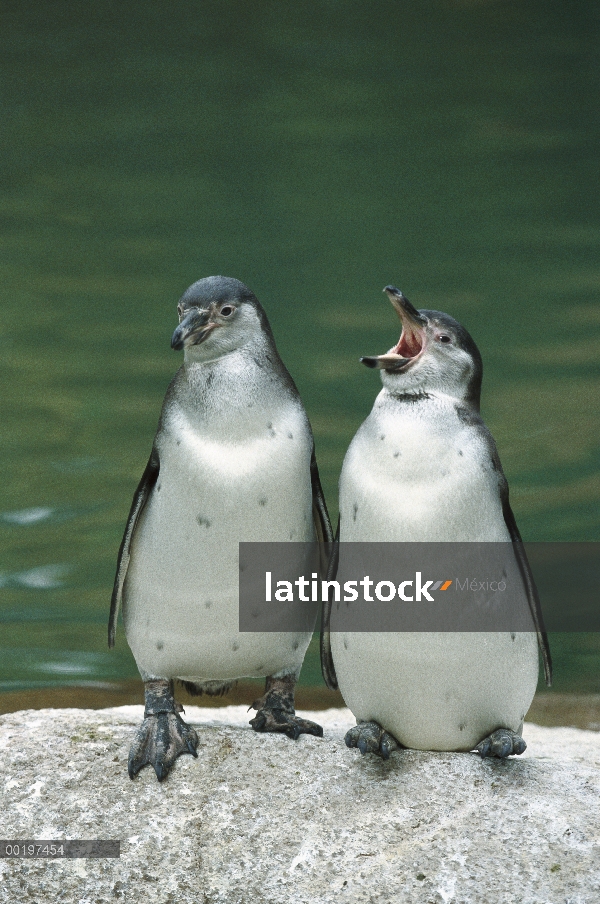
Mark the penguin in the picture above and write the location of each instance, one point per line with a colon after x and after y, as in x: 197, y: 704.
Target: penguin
x: 423, y: 467
x: 233, y: 460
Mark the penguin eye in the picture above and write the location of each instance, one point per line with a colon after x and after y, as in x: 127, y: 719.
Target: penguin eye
x: 445, y: 339
x: 227, y: 310
x: 180, y: 311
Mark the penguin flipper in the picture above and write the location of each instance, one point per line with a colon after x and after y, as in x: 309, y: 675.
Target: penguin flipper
x: 327, y: 665
x: 140, y: 497
x: 329, y: 562
x: 473, y: 419
x: 319, y: 507
x: 530, y: 588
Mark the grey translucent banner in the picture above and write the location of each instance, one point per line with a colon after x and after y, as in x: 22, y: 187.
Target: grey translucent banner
x: 420, y: 586
x: 55, y: 850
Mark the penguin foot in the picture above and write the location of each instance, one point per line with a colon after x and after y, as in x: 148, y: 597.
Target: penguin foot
x: 287, y: 723
x: 276, y: 710
x: 160, y: 739
x: 163, y: 735
x: 370, y: 737
x: 501, y: 743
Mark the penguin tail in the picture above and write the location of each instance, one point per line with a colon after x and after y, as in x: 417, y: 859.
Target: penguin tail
x: 210, y: 688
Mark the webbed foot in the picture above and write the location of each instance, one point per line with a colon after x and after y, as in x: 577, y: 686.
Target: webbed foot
x: 276, y: 710
x: 163, y: 735
x: 370, y: 737
x: 288, y: 723
x: 160, y: 739
x: 501, y: 743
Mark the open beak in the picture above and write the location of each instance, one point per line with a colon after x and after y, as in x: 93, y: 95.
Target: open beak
x: 193, y: 329
x: 412, y: 339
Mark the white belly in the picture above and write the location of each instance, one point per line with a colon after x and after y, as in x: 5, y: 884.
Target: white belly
x: 181, y: 608
x: 402, y: 482
x: 438, y: 691
x: 435, y: 691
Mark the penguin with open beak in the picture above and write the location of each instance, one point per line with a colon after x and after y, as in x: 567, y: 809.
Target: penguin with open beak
x: 233, y: 460
x: 423, y: 467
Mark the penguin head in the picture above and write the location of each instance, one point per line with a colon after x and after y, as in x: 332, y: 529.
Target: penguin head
x: 434, y: 353
x: 217, y: 315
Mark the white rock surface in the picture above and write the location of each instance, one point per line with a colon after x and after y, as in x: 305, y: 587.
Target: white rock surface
x: 260, y: 818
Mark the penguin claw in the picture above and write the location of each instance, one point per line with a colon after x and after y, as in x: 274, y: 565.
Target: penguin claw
x: 258, y: 722
x: 293, y: 732
x: 285, y: 722
x: 387, y: 745
x: 363, y: 745
x: 160, y: 739
x: 370, y: 737
x: 484, y: 748
x: 501, y: 743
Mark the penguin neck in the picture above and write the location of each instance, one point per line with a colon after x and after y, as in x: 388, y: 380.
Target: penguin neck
x: 430, y: 386
x: 228, y: 394
x: 423, y: 403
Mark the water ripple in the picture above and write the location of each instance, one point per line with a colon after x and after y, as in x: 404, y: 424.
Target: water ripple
x: 44, y: 577
x: 28, y: 516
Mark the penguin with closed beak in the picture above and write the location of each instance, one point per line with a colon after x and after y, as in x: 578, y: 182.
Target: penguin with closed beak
x: 233, y: 460
x: 423, y: 467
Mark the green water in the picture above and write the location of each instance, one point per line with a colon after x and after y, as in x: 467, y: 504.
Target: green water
x: 317, y: 151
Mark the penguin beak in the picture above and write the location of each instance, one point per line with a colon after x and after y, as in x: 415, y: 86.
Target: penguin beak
x: 389, y: 362
x: 412, y: 339
x: 193, y: 329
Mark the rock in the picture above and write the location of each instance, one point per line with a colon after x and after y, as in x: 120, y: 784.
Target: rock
x: 260, y: 818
